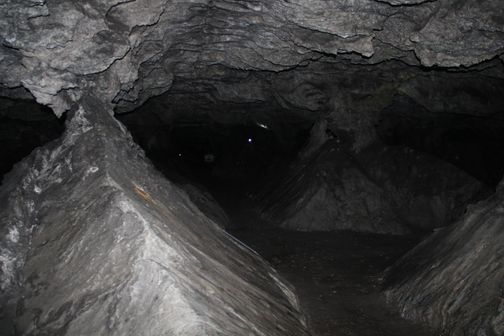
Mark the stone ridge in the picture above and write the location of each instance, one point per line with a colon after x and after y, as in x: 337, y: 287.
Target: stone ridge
x: 382, y: 189
x: 107, y: 246
x: 454, y: 279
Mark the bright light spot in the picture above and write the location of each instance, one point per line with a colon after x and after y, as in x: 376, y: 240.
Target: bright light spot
x: 263, y: 125
x: 249, y: 140
x: 180, y: 154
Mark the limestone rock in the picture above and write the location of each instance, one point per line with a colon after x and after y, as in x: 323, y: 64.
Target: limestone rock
x: 454, y: 280
x: 96, y: 242
x: 206, y: 203
x: 381, y: 189
x: 128, y: 51
x: 351, y: 97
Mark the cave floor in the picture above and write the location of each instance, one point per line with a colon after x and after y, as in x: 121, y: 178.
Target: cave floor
x: 336, y: 275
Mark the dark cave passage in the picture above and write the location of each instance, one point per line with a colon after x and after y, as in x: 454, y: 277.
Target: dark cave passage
x: 290, y: 184
x: 258, y: 179
x: 259, y: 168
x: 206, y: 151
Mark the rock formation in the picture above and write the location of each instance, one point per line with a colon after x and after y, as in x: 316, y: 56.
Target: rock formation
x: 97, y: 242
x: 363, y: 67
x: 381, y: 189
x: 127, y: 51
x: 454, y: 279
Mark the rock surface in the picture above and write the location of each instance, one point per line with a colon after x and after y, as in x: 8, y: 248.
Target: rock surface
x: 204, y: 200
x: 381, y: 189
x: 454, y: 280
x: 96, y: 242
x: 128, y: 51
x: 440, y: 54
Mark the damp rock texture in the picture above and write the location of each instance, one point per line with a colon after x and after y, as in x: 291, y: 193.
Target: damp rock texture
x: 97, y: 242
x: 127, y: 51
x: 454, y: 280
x: 381, y: 189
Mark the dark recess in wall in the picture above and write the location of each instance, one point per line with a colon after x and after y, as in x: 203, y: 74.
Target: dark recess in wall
x: 471, y: 142
x: 205, y: 151
x: 24, y: 126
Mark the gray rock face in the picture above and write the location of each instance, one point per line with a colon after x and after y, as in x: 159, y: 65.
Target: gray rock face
x: 382, y: 189
x: 206, y: 203
x: 454, y: 280
x: 128, y: 51
x: 405, y: 2
x: 96, y: 242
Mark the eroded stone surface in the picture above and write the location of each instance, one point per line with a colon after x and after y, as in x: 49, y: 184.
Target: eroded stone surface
x: 382, y: 189
x: 97, y: 242
x: 127, y: 51
x: 454, y: 279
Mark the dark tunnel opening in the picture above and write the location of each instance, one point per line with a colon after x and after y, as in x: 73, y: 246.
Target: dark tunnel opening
x: 198, y: 141
x: 278, y: 177
x: 228, y: 153
x: 24, y: 126
x: 473, y: 143
x: 247, y: 149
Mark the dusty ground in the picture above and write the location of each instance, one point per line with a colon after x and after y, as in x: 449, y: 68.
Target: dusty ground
x: 336, y: 275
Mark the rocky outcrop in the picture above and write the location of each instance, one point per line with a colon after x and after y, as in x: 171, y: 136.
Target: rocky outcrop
x: 381, y: 189
x: 454, y: 280
x: 97, y: 242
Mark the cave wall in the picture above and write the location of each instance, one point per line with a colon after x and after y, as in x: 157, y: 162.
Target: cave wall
x: 340, y: 61
x: 96, y: 242
x: 283, y: 60
x: 453, y: 280
x: 128, y: 51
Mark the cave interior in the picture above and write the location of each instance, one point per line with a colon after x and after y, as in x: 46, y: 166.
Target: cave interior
x: 276, y: 168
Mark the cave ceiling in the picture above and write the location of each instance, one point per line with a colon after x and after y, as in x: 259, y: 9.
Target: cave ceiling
x: 242, y: 52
